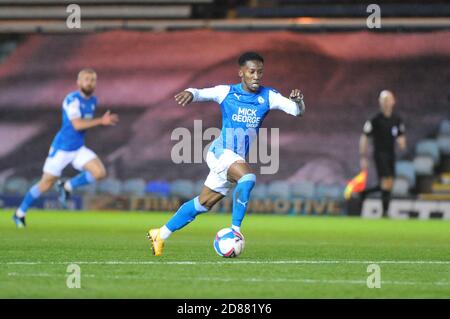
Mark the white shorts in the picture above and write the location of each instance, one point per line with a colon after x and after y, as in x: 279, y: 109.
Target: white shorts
x: 59, y: 159
x: 217, y: 178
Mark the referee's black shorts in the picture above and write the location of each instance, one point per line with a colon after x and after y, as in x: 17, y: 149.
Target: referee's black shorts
x: 385, y: 164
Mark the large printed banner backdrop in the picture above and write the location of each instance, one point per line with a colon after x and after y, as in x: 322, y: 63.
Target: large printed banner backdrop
x: 340, y: 74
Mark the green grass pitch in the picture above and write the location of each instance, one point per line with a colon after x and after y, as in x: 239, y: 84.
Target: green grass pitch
x: 284, y: 257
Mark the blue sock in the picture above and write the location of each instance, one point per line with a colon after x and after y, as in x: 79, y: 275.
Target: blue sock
x: 185, y: 214
x: 30, y: 197
x: 84, y: 178
x: 241, y: 196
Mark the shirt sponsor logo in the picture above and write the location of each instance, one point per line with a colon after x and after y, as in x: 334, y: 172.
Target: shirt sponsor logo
x: 247, y: 116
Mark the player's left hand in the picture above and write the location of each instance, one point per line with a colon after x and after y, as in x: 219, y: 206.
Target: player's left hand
x: 296, y: 95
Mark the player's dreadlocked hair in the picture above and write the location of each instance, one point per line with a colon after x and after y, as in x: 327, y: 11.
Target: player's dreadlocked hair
x: 249, y: 56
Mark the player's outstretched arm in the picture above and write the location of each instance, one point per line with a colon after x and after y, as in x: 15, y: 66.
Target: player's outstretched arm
x: 364, y: 152
x: 214, y: 94
x: 294, y: 105
x: 108, y: 119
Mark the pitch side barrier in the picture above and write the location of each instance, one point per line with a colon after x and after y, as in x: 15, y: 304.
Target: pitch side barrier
x: 294, y: 206
x: 407, y: 208
x: 278, y: 206
x: 43, y: 202
x: 371, y: 208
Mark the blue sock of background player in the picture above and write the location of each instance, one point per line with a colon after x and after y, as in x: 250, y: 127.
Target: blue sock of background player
x: 82, y: 179
x: 32, y: 194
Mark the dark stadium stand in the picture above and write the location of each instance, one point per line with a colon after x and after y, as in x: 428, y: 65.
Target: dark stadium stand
x: 432, y: 161
x: 50, y: 15
x: 343, y: 8
x: 101, y: 9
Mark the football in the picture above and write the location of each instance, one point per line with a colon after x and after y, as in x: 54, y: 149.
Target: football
x: 229, y: 243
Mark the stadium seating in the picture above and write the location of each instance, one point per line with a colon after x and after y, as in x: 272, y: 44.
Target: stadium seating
x: 406, y: 170
x: 134, y: 186
x: 432, y: 165
x: 279, y: 189
x: 423, y: 165
x: 443, y: 142
x: 259, y: 191
x: 90, y: 189
x: 303, y: 189
x: 198, y: 186
x: 424, y: 168
x: 158, y: 188
x: 16, y: 186
x: 429, y: 147
x: 329, y: 191
x: 109, y: 186
x: 401, y: 187
x: 444, y: 127
x: 182, y: 188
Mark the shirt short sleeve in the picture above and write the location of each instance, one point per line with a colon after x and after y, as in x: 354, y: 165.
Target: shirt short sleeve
x: 72, y: 108
x: 368, y: 128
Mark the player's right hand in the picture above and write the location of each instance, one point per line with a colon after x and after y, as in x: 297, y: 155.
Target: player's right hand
x: 184, y: 98
x: 110, y: 118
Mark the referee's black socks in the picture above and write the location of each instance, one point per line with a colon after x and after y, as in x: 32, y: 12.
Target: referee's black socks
x: 385, y: 198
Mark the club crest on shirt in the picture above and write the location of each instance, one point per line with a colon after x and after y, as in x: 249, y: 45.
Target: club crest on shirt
x: 260, y: 99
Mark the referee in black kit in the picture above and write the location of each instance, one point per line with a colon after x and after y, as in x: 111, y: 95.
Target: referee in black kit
x: 384, y: 129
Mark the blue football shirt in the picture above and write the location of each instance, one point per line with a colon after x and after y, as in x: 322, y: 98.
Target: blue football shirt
x: 74, y: 106
x: 243, y: 113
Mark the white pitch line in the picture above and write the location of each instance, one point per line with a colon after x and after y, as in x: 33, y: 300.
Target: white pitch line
x: 250, y: 280
x: 17, y: 274
x: 230, y: 262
